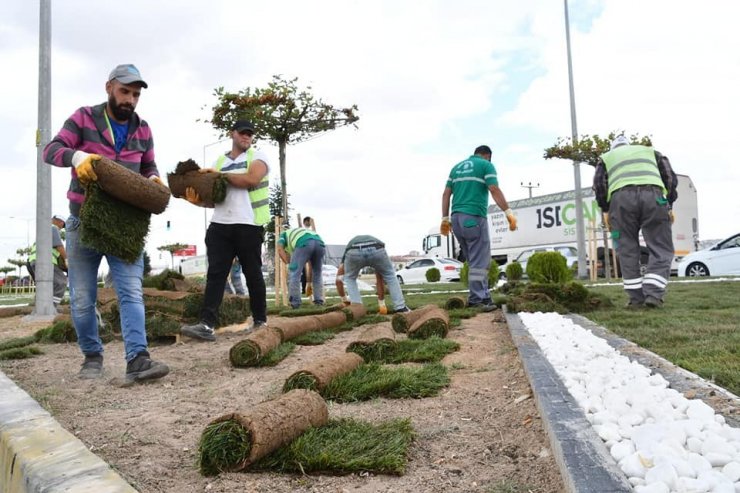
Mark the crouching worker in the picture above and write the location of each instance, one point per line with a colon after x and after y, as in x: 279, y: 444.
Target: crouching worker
x: 296, y: 247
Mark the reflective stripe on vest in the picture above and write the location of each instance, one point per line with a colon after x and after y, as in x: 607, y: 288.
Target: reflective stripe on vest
x: 54, y: 255
x: 259, y: 196
x: 631, y: 165
x: 293, y: 235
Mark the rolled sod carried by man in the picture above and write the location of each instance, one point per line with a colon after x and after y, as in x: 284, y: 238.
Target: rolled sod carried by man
x: 402, y: 321
x: 211, y: 187
x: 131, y: 188
x: 234, y: 441
x: 317, y: 375
x: 455, y: 303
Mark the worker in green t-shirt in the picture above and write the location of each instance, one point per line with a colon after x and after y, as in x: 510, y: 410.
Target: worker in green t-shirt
x: 296, y: 247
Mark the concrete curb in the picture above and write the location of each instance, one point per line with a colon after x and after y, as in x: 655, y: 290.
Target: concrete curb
x: 585, y: 464
x: 38, y: 455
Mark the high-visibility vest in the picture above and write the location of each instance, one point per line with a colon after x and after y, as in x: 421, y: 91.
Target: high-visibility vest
x: 259, y: 196
x: 631, y: 165
x: 55, y: 254
x: 293, y: 235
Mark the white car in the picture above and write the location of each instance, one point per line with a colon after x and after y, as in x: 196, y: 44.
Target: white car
x: 722, y: 259
x: 570, y: 253
x: 328, y: 274
x: 416, y: 271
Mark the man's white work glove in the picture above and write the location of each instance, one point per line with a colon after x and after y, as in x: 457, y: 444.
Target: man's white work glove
x: 345, y: 300
x: 511, y: 218
x: 82, y: 161
x: 382, y: 309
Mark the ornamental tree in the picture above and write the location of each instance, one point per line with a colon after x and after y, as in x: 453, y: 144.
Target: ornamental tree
x: 172, y: 248
x: 283, y: 114
x: 588, y: 148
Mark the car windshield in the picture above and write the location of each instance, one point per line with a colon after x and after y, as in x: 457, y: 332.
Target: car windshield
x: 450, y: 261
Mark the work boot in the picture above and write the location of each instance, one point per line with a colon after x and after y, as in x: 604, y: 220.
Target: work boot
x: 485, y: 306
x: 142, y: 368
x: 92, y: 367
x: 198, y: 331
x: 653, y: 302
x: 634, y: 305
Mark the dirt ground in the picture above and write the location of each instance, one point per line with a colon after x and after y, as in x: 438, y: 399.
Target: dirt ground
x: 480, y: 435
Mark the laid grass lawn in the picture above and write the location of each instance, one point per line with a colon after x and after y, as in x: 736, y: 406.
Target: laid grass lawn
x: 698, y: 327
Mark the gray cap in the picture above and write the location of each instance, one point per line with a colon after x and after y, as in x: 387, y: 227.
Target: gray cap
x: 127, y: 74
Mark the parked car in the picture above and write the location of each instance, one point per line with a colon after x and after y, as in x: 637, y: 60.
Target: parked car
x: 570, y: 253
x: 328, y: 274
x: 416, y: 271
x: 721, y: 259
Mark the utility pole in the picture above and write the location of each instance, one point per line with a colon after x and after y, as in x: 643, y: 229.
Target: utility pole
x: 529, y: 186
x: 44, y: 307
x: 580, y: 232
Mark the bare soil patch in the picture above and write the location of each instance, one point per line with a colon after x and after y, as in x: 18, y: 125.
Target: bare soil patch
x: 479, y: 435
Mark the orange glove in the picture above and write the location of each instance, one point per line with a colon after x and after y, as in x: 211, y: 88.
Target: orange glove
x: 511, y: 218
x: 445, y: 226
x: 605, y: 219
x: 309, y: 290
x: 82, y: 161
x: 382, y: 309
x: 157, y: 180
x: 192, y: 196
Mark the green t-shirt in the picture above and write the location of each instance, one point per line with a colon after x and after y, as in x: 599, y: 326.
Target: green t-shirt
x: 469, y: 181
x: 296, y: 238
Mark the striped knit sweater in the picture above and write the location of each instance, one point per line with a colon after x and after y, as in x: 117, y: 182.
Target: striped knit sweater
x: 87, y: 130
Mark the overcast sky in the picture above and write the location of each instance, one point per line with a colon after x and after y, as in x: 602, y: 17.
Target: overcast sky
x: 432, y: 80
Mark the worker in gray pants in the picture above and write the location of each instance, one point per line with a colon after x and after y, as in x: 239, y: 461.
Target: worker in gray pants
x: 635, y: 188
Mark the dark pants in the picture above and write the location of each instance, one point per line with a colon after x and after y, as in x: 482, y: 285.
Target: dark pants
x: 223, y: 243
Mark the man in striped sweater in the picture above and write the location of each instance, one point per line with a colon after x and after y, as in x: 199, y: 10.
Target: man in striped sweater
x: 112, y: 130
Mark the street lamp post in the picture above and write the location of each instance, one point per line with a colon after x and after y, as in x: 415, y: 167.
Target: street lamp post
x: 28, y: 227
x: 580, y: 233
x: 529, y: 186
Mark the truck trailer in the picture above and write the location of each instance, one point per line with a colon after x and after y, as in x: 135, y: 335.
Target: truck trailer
x: 550, y: 220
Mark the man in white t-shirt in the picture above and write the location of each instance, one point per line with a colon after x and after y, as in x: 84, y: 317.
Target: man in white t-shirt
x: 236, y: 230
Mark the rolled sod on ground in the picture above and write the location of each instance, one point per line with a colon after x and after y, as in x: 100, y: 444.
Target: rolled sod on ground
x: 374, y: 342
x: 317, y: 375
x: 130, y: 187
x: 416, y: 351
x: 314, y: 338
x: 402, y: 321
x: 433, y: 322
x: 249, y: 351
x: 345, y: 446
x: 354, y: 311
x: 234, y: 441
x: 455, y: 303
x: 211, y: 187
x: 112, y: 226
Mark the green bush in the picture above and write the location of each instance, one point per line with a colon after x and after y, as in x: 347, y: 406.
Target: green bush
x: 514, y: 271
x: 433, y: 275
x: 493, y: 273
x: 548, y: 267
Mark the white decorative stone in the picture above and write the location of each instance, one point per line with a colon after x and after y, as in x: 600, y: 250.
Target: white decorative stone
x: 632, y: 466
x: 699, y: 410
x: 622, y: 449
x: 662, y: 473
x: 732, y: 471
x: 653, y: 488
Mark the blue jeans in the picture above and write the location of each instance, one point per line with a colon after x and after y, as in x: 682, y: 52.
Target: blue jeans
x: 83, y: 263
x: 472, y: 233
x: 312, y: 252
x: 356, y: 259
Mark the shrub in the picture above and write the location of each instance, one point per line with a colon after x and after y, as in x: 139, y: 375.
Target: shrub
x: 514, y: 271
x: 548, y: 267
x: 493, y: 273
x: 433, y: 275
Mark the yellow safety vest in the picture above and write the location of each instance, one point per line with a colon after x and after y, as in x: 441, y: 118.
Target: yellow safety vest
x: 259, y: 196
x: 631, y: 165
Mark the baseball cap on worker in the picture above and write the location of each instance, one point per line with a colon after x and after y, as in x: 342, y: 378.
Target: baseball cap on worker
x: 59, y: 217
x: 620, y: 140
x: 242, y: 125
x: 127, y: 73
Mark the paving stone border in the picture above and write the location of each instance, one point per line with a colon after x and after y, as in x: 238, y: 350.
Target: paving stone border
x: 38, y: 455
x: 585, y: 464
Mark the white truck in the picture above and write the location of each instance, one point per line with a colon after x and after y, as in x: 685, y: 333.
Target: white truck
x: 550, y: 220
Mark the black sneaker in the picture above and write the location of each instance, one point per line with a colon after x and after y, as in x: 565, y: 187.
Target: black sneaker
x: 92, y: 367
x: 198, y: 331
x: 319, y: 303
x: 142, y: 368
x: 253, y: 326
x: 486, y: 306
x: 405, y: 309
